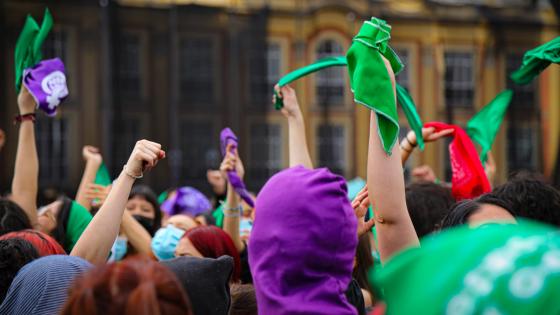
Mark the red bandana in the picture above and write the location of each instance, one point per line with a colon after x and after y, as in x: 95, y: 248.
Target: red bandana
x: 469, y: 179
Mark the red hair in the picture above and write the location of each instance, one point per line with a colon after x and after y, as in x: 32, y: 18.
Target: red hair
x: 213, y: 242
x: 43, y: 243
x: 135, y: 286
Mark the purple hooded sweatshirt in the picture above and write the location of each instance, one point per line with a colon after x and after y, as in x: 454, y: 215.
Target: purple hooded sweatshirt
x: 303, y: 243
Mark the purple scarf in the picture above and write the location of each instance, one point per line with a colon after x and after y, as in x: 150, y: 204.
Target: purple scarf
x: 227, y: 137
x: 188, y: 201
x: 302, y: 245
x: 46, y: 82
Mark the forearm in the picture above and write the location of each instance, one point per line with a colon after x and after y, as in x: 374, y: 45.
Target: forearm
x: 231, y: 220
x: 137, y: 236
x: 386, y: 191
x: 26, y: 172
x: 298, y: 150
x: 88, y: 177
x: 95, y: 243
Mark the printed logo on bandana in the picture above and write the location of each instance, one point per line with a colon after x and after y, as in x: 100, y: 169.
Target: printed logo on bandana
x: 54, y: 85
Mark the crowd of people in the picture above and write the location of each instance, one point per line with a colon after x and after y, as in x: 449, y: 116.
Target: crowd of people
x: 301, y: 245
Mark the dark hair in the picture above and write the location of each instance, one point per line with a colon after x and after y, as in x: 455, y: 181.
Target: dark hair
x: 532, y: 198
x: 427, y: 204
x: 12, y: 217
x: 59, y: 232
x: 462, y: 210
x: 207, y: 215
x: 133, y: 286
x: 243, y: 300
x: 148, y: 194
x: 14, y: 254
x: 364, y: 262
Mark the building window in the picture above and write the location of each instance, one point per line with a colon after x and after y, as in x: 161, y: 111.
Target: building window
x: 129, y: 132
x: 52, y: 144
x: 330, y: 83
x: 459, y: 79
x: 265, y: 153
x: 522, y: 148
x: 198, y: 153
x: 524, y: 95
x: 403, y: 78
x: 265, y: 73
x: 55, y: 45
x: 330, y: 147
x: 129, y: 66
x: 196, y: 73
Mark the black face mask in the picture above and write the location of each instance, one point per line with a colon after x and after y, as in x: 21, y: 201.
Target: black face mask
x: 146, y: 223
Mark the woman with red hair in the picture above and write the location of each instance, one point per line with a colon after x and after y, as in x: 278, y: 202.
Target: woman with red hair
x: 134, y: 286
x: 209, y: 242
x: 43, y: 243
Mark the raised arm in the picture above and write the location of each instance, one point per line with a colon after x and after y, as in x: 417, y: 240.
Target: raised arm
x: 409, y: 143
x: 93, y: 162
x: 232, y: 207
x: 385, y: 183
x: 26, y: 171
x: 298, y: 150
x: 98, y: 238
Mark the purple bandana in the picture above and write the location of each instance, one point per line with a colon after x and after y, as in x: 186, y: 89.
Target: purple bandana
x: 47, y: 83
x: 302, y: 245
x: 187, y: 200
x: 227, y: 137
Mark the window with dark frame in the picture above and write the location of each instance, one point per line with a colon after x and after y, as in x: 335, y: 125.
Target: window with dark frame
x: 330, y: 147
x: 55, y: 45
x: 197, y: 71
x: 265, y: 153
x: 198, y: 151
x: 52, y: 148
x: 459, y: 79
x: 264, y: 73
x: 403, y: 78
x: 129, y: 66
x: 330, y: 83
x: 524, y: 95
x: 129, y: 132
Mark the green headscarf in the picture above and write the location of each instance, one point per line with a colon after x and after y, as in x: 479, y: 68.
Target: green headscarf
x: 102, y: 176
x: 370, y: 80
x: 493, y: 269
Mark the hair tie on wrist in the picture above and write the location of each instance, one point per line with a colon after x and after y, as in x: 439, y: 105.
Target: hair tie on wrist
x: 127, y: 172
x: 24, y: 117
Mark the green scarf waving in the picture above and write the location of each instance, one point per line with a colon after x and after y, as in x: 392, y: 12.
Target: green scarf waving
x: 369, y: 79
x: 28, y: 45
x: 536, y: 60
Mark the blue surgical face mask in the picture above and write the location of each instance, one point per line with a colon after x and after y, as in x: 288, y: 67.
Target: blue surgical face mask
x: 165, y: 241
x: 119, y: 249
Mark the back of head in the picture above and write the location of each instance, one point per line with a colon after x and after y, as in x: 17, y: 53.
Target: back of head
x: 134, y: 286
x: 14, y: 254
x: 12, y: 217
x: 303, y: 242
x: 213, y: 242
x: 206, y: 281
x: 43, y: 243
x: 461, y: 211
x: 532, y: 198
x: 427, y: 204
x: 243, y: 300
x: 41, y: 286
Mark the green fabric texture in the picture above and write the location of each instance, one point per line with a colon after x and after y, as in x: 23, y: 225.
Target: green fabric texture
x: 370, y: 80
x: 328, y: 62
x: 484, y: 126
x: 28, y: 45
x: 162, y: 197
x: 493, y: 269
x: 409, y: 109
x: 218, y: 214
x: 102, y: 177
x: 536, y: 60
x: 78, y: 220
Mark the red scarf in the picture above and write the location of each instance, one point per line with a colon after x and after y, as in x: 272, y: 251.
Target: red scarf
x: 469, y: 179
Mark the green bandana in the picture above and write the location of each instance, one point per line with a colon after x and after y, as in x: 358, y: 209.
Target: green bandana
x: 536, y: 60
x: 369, y: 79
x: 301, y: 72
x: 484, y: 126
x: 493, y: 269
x: 28, y: 45
x: 162, y: 197
x: 102, y: 177
x: 218, y: 214
x: 411, y: 114
x: 78, y: 220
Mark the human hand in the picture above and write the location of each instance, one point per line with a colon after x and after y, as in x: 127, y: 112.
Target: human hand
x: 26, y: 103
x: 424, y: 173
x: 232, y: 162
x: 361, y: 204
x: 97, y: 194
x: 490, y: 168
x: 91, y: 153
x: 2, y: 139
x: 144, y: 157
x: 291, y: 109
x: 217, y: 181
x: 429, y: 135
